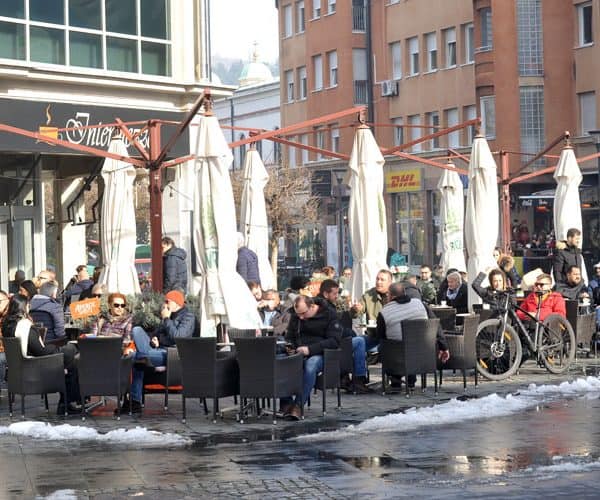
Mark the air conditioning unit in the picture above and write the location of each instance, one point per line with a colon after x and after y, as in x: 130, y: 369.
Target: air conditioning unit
x: 389, y: 88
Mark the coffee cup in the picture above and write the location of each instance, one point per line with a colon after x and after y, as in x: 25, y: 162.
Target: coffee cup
x: 372, y: 324
x: 443, y: 303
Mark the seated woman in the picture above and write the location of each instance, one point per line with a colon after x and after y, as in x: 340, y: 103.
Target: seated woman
x: 117, y: 321
x: 497, y: 280
x: 27, y: 289
x: 17, y: 323
x: 552, y: 302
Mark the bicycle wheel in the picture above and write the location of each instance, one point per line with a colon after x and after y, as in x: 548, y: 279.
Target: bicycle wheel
x: 498, y: 351
x: 557, y: 344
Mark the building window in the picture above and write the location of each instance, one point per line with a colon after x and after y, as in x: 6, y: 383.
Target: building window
x: 431, y: 42
x: 398, y: 131
x: 287, y: 21
x: 413, y: 50
x: 115, y: 35
x: 331, y: 6
x: 300, y: 17
x: 358, y: 15
x: 359, y: 75
x: 415, y: 131
x: 333, y: 68
x: 487, y: 105
x: 469, y: 43
x: 485, y: 18
x: 470, y: 113
x: 587, y: 112
x: 335, y: 139
x: 433, y: 119
x: 584, y: 18
x: 450, y: 46
x: 316, y: 9
x: 292, y: 155
x: 303, y: 85
x: 452, y: 121
x: 304, y: 141
x: 289, y: 85
x: 320, y: 142
x: 529, y: 36
x: 396, y: 51
x: 531, y: 106
x: 318, y: 71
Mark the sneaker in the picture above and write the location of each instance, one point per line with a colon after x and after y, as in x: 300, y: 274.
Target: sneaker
x: 73, y: 408
x: 133, y: 405
x: 372, y: 358
x: 360, y: 387
x: 346, y: 383
x: 143, y: 363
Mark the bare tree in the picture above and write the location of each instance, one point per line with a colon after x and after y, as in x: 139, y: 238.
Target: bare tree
x: 288, y: 200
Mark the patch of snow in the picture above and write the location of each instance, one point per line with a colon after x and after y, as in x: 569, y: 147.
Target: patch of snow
x: 59, y: 495
x: 137, y: 437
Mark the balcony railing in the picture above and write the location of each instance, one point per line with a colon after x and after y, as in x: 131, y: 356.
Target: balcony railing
x: 360, y: 92
x: 358, y: 15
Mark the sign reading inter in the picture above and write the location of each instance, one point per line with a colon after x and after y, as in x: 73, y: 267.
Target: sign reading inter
x: 402, y: 181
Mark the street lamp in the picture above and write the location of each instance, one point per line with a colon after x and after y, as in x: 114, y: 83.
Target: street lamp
x: 595, y: 134
x: 339, y: 193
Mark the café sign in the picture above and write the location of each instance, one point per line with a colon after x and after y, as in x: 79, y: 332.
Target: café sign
x: 402, y: 181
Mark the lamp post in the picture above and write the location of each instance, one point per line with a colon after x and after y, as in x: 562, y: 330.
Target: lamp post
x: 339, y: 188
x: 595, y: 134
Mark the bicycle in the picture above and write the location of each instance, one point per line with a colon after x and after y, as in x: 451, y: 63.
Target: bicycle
x: 499, y: 343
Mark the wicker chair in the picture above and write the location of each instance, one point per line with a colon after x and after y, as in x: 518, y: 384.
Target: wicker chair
x: 415, y: 354
x: 461, y: 345
x: 263, y: 375
x: 206, y: 373
x: 103, y: 371
x: 329, y: 378
x: 39, y: 375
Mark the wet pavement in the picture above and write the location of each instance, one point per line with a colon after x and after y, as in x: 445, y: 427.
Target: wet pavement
x: 550, y: 448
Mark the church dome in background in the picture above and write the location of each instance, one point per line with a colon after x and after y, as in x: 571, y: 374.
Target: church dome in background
x: 255, y: 72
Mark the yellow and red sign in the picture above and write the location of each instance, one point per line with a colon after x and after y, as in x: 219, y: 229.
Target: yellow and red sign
x: 85, y: 308
x: 402, y: 181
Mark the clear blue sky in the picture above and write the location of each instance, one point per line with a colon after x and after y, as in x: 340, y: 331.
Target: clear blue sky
x: 236, y: 24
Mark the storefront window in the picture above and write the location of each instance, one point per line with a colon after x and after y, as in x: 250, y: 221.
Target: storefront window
x: 47, y: 45
x: 12, y: 41
x: 120, y: 16
x: 409, y: 209
x: 85, y: 50
x: 12, y: 8
x: 47, y: 11
x: 85, y: 14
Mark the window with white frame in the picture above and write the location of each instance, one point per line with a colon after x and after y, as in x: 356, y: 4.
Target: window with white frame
x: 487, y: 105
x: 413, y: 50
x: 320, y: 142
x: 531, y: 107
x: 287, y: 21
x: 292, y: 156
x: 331, y: 6
x: 587, y: 112
x: 415, y: 131
x: 452, y: 121
x: 300, y: 17
x: 398, y: 131
x: 431, y: 43
x: 433, y: 119
x: 335, y: 139
x: 485, y: 19
x: 114, y: 35
x: 318, y: 71
x: 302, y: 83
x: 450, y: 46
x: 316, y: 9
x: 396, y: 52
x: 530, y: 38
x: 359, y: 75
x: 469, y: 43
x: 584, y: 21
x: 289, y: 85
x: 470, y: 113
x: 304, y: 141
x: 333, y: 68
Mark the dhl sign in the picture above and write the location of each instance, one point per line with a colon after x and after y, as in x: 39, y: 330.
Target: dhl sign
x: 401, y: 181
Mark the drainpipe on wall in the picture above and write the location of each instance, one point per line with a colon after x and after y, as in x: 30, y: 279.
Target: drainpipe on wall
x: 369, y: 49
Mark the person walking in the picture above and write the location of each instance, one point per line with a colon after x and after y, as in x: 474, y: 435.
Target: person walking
x: 174, y: 267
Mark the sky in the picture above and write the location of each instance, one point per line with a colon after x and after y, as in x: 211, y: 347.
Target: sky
x: 236, y: 24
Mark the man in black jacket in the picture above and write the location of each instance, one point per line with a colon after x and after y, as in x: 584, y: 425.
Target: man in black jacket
x: 567, y: 254
x: 313, y: 327
x: 174, y: 267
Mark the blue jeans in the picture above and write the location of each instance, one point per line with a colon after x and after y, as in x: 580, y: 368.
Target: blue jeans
x: 313, y: 365
x: 156, y: 356
x: 359, y: 355
x: 372, y: 343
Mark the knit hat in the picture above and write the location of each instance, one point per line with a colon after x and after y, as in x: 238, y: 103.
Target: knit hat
x: 176, y: 296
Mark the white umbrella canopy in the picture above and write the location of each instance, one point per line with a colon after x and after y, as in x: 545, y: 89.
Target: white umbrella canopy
x: 452, y: 209
x: 117, y: 224
x: 567, y: 205
x: 253, y: 215
x: 366, y: 212
x: 481, y: 219
x: 224, y: 295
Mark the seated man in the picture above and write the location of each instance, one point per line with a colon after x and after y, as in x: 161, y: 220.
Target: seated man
x: 177, y: 322
x: 272, y: 314
x: 456, y: 294
x: 45, y: 309
x: 330, y: 292
x: 77, y: 285
x: 552, y: 302
x: 313, y: 327
x: 574, y: 286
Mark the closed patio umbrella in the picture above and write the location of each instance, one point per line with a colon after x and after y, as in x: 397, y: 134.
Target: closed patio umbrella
x: 366, y: 212
x: 117, y: 224
x: 224, y: 295
x: 253, y: 215
x: 452, y: 208
x: 481, y: 218
x: 567, y: 205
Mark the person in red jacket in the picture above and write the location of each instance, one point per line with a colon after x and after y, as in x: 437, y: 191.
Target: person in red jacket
x: 552, y: 302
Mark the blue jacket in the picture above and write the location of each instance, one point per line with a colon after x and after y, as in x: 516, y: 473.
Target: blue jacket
x: 174, y: 270
x: 247, y: 265
x: 181, y: 324
x: 49, y: 312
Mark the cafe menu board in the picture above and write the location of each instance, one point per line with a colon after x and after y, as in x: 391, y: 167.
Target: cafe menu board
x: 85, y: 308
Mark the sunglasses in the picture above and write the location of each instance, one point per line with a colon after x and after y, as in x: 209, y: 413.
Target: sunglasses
x: 542, y: 284
x: 97, y: 295
x: 119, y: 305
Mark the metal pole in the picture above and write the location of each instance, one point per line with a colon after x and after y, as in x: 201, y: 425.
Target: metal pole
x: 155, y: 207
x: 340, y: 221
x: 369, y: 51
x: 505, y: 201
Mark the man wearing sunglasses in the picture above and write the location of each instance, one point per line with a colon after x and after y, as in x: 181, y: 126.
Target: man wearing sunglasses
x: 552, y: 302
